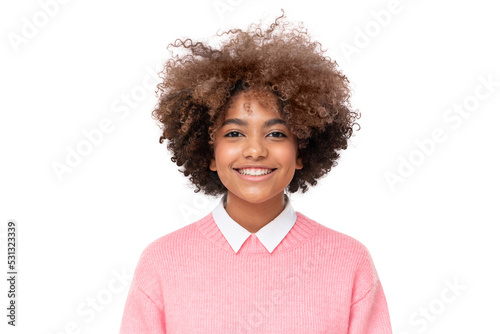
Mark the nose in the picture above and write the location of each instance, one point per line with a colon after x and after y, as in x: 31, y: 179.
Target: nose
x: 254, y: 148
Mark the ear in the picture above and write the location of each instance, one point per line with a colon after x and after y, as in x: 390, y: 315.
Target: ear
x: 213, y: 166
x: 298, y: 163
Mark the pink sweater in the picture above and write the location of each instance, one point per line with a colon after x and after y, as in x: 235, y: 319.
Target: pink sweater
x: 315, y: 281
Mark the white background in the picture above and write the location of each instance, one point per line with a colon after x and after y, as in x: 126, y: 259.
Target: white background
x: 79, y: 231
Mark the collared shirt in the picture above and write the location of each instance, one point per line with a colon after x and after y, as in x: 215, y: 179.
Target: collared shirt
x: 269, y: 235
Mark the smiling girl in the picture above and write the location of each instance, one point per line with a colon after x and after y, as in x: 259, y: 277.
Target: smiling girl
x: 255, y: 157
x: 261, y: 117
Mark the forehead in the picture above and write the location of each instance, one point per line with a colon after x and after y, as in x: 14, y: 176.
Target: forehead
x: 246, y: 104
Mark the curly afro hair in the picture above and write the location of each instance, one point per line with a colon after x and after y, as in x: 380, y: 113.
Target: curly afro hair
x: 282, y: 62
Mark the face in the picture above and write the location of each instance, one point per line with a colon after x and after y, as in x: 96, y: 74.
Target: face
x: 254, y: 142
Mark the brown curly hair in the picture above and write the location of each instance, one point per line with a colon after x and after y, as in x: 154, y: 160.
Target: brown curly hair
x: 312, y: 94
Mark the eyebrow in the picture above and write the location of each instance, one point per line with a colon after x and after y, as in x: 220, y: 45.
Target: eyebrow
x: 242, y: 122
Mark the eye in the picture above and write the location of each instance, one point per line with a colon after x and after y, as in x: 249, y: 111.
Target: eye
x: 280, y: 134
x: 232, y: 132
x: 275, y: 134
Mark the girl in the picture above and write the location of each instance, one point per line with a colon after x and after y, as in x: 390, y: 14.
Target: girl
x: 264, y: 114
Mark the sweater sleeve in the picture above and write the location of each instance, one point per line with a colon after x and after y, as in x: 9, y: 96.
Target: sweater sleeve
x: 369, y: 312
x: 143, y: 311
x: 141, y: 315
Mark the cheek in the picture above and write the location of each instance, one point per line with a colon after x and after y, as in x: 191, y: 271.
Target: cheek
x: 286, y: 155
x: 227, y: 153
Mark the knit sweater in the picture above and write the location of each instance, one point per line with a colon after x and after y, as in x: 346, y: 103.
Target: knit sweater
x: 317, y: 280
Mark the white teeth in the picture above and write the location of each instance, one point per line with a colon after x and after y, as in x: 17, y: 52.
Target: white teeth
x: 254, y: 171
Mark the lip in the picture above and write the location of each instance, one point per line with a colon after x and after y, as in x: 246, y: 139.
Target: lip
x: 255, y: 178
x: 254, y: 166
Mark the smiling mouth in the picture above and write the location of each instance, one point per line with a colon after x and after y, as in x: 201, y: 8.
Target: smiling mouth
x: 255, y: 171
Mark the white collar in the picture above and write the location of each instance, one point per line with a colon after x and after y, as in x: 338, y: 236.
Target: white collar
x: 270, y: 235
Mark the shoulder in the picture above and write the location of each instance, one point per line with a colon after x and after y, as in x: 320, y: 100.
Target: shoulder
x: 162, y: 249
x: 347, y: 256
x: 333, y: 239
x: 177, y: 240
x: 341, y: 250
x: 160, y: 255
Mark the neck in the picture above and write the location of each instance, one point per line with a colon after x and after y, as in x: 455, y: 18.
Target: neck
x: 254, y: 216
